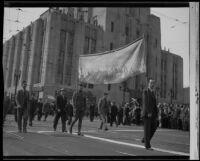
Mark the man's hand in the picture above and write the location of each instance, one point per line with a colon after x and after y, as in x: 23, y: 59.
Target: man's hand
x: 58, y: 110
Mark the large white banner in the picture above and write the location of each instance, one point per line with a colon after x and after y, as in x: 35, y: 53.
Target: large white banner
x: 113, y: 66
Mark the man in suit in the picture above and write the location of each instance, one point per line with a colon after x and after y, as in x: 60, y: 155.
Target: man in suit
x: 61, y: 101
x: 39, y: 109
x: 103, y: 109
x: 149, y: 114
x: 69, y: 109
x: 22, y: 101
x: 32, y: 109
x: 92, y: 108
x: 79, y: 104
x: 113, y: 114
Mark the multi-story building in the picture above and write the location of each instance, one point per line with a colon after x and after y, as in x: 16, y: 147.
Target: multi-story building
x: 46, y: 52
x: 171, y: 89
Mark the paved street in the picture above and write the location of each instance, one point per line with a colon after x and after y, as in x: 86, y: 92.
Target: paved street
x: 41, y: 140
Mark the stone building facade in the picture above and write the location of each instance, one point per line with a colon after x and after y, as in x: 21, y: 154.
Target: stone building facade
x: 46, y: 52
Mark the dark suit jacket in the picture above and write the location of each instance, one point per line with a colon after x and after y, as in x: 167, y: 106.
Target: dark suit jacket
x: 149, y: 104
x: 22, y: 98
x: 61, y: 102
x: 103, y: 107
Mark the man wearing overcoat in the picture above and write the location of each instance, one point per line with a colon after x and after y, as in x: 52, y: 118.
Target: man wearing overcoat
x: 22, y: 101
x: 149, y: 114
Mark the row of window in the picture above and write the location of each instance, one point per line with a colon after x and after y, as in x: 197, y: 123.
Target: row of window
x: 85, y: 85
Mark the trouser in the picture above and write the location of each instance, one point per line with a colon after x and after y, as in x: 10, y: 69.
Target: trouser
x: 22, y: 113
x: 15, y: 114
x: 69, y: 120
x: 61, y: 114
x: 91, y: 117
x: 31, y: 115
x: 78, y: 116
x: 150, y: 126
x: 103, y: 121
x: 119, y: 119
x: 113, y: 119
x: 39, y: 115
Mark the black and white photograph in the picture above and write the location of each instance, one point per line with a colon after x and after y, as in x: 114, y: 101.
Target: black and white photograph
x: 97, y: 81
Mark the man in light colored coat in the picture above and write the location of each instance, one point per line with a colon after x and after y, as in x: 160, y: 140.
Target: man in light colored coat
x: 103, y: 109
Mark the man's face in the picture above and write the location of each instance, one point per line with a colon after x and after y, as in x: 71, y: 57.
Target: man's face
x: 151, y: 84
x: 62, y: 92
x: 24, y: 85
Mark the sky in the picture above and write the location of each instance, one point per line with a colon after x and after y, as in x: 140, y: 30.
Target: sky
x: 174, y: 29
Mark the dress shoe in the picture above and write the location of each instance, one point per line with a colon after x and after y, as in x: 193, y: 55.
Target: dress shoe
x: 106, y: 129
x: 80, y: 134
x: 64, y: 131
x: 24, y: 131
x: 142, y: 140
x: 70, y: 130
x: 149, y: 148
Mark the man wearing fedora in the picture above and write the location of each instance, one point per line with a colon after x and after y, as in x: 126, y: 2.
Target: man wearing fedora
x: 22, y: 101
x: 60, y: 111
x: 103, y: 109
x: 79, y: 104
x: 149, y: 114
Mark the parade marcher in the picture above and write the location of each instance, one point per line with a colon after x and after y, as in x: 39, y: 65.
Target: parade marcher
x: 69, y: 112
x: 6, y: 105
x: 113, y: 114
x: 46, y: 109
x: 137, y: 115
x: 79, y: 104
x: 149, y: 114
x: 32, y: 109
x: 92, y: 108
x: 22, y: 101
x: 126, y: 118
x: 39, y: 109
x: 61, y: 101
x: 120, y: 115
x: 103, y: 109
x: 14, y: 106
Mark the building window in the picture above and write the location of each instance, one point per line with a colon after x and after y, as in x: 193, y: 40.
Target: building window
x: 69, y: 54
x: 126, y: 30
x: 112, y: 26
x: 111, y: 46
x: 156, y: 43
x: 93, y: 46
x: 138, y: 33
x: 86, y: 45
x: 90, y: 86
x: 61, y: 57
x: 109, y: 87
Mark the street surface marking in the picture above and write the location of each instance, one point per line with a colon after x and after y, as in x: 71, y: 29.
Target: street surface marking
x: 125, y: 153
x: 139, y: 130
x: 18, y: 136
x: 136, y: 145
